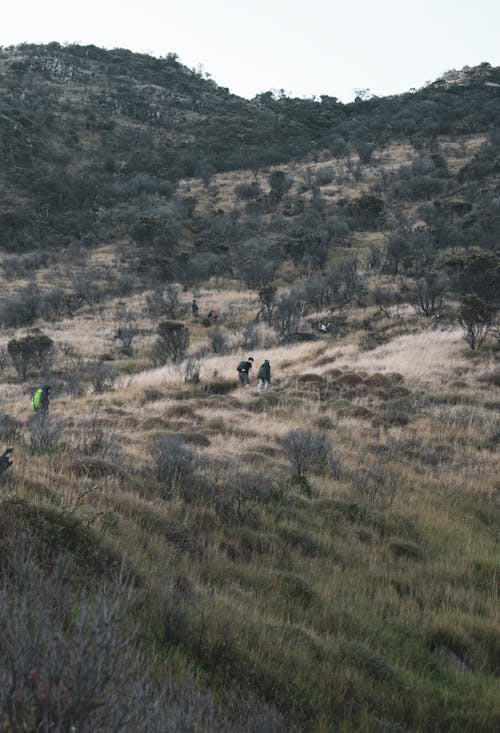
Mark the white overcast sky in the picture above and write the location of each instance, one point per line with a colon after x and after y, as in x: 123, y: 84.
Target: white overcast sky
x: 305, y: 47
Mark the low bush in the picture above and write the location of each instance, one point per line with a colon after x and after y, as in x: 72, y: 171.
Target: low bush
x: 175, y: 464
x: 405, y: 548
x: 307, y: 450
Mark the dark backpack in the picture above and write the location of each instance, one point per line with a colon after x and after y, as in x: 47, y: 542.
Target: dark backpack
x: 242, y: 367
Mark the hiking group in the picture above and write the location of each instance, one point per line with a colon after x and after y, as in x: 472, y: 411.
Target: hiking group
x: 263, y: 374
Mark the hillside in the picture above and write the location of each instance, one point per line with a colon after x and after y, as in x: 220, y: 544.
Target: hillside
x: 86, y: 134
x: 181, y: 553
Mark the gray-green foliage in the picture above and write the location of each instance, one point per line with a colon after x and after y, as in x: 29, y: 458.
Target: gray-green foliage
x: 31, y: 351
x: 171, y: 344
x: 308, y: 450
x: 175, y: 463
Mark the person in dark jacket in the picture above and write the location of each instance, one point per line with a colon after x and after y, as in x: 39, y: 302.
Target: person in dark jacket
x: 264, y: 375
x: 243, y: 369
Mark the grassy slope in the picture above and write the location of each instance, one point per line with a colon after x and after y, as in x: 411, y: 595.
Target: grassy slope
x: 330, y: 609
x: 316, y: 601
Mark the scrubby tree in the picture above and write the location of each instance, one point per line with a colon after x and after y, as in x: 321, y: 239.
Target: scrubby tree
x: 126, y: 330
x: 33, y: 350
x: 280, y: 183
x: 46, y: 433
x: 367, y: 212
x: 242, y: 495
x: 100, y: 373
x: 86, y: 286
x: 348, y: 282
x: 172, y: 342
x: 21, y: 308
x: 373, y: 488
x: 267, y: 296
x: 476, y: 318
x: 426, y: 294
x: 166, y: 302
x: 287, y: 315
x: 255, y: 260
x: 364, y: 150
x: 308, y: 450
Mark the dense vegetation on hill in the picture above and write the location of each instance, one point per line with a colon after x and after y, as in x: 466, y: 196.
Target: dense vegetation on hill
x: 181, y: 554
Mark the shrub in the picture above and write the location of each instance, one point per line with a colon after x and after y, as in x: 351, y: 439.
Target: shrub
x: 101, y: 375
x: 476, y: 317
x: 324, y: 176
x: 373, y: 489
x: 171, y: 344
x: 126, y: 331
x: 74, y: 376
x: 21, y: 308
x: 33, y: 350
x: 307, y: 450
x: 219, y: 340
x: 45, y: 432
x: 240, y: 497
x: 405, y: 548
x: 192, y: 372
x: 248, y: 191
x: 93, y: 439
x: 175, y: 464
x: 9, y: 428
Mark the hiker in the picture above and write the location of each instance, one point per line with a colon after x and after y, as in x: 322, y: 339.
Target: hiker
x: 213, y: 315
x: 194, y: 308
x: 264, y: 375
x: 41, y: 399
x: 243, y: 370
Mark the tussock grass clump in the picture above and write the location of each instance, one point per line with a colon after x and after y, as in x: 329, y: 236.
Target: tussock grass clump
x: 405, y: 548
x: 182, y: 411
x: 95, y: 468
x: 54, y: 533
x: 350, y: 379
x: 366, y: 661
x: 296, y: 588
x: 197, y: 438
x: 302, y: 541
x: 218, y: 386
x: 246, y: 543
x: 492, y: 379
x: 486, y: 573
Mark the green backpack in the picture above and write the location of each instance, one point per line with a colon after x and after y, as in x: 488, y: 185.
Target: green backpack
x: 36, y: 402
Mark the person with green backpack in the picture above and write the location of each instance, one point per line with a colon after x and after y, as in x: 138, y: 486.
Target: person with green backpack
x: 41, y: 399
